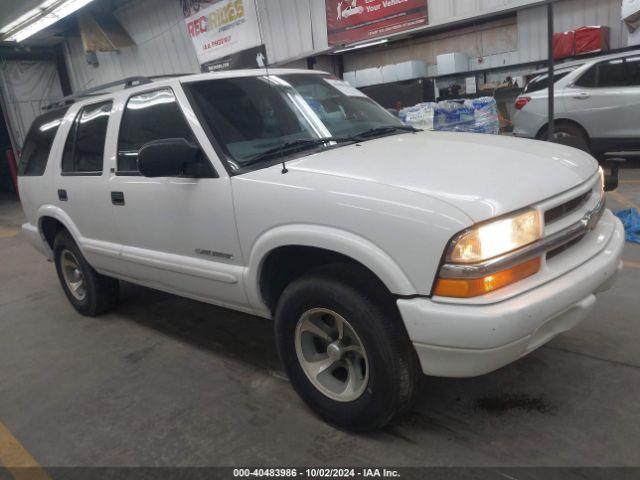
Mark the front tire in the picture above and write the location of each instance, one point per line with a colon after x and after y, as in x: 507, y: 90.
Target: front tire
x: 90, y: 293
x: 345, y: 349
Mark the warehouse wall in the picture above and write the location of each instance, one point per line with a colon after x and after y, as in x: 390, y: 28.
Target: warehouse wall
x: 295, y: 29
x: 498, y: 38
x: 448, y: 11
x: 27, y: 86
x: 162, y: 46
x: 569, y: 14
x: 511, y: 41
x: 291, y: 29
x: 286, y: 28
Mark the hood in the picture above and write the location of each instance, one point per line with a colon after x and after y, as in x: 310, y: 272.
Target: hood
x: 482, y: 175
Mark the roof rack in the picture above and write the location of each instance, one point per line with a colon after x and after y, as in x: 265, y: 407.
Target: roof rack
x: 128, y: 82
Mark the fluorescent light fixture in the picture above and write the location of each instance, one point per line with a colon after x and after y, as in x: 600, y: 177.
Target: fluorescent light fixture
x: 363, y: 45
x: 46, y: 14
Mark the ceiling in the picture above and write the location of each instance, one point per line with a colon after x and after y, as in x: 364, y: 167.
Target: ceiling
x: 12, y: 9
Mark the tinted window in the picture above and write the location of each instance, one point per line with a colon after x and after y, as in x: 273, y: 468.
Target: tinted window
x: 542, y: 81
x: 588, y: 79
x: 612, y: 74
x: 147, y: 117
x: 84, y: 148
x: 37, y: 145
x: 633, y: 71
x: 619, y: 73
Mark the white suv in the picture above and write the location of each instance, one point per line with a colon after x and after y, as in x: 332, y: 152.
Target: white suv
x: 380, y: 251
x: 597, y: 102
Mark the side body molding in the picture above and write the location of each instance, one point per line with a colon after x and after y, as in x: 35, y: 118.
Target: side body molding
x: 318, y: 236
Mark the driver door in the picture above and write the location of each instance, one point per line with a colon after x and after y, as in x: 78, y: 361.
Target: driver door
x: 178, y: 234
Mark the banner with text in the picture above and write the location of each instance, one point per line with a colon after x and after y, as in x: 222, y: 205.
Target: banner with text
x: 219, y: 28
x: 350, y: 21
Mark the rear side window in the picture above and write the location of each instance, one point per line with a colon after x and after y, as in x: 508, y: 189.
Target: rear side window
x: 84, y: 148
x: 621, y: 72
x: 542, y: 81
x: 37, y: 145
x: 633, y: 71
x: 147, y: 117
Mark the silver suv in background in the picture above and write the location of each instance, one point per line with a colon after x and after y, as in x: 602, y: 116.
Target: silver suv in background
x: 597, y: 101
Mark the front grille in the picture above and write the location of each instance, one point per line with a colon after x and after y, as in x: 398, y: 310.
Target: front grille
x: 556, y: 213
x: 563, y: 248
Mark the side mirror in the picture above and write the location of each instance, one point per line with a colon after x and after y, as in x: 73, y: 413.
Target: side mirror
x: 169, y: 157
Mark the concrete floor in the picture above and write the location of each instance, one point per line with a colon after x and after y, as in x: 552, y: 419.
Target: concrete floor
x: 168, y: 381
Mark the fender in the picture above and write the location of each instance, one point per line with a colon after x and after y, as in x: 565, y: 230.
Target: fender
x: 318, y: 236
x: 60, y: 215
x: 95, y: 251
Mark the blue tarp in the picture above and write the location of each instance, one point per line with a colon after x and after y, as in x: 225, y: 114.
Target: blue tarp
x: 631, y: 221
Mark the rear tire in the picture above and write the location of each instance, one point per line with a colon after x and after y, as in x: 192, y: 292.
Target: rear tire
x: 89, y: 292
x: 374, y: 348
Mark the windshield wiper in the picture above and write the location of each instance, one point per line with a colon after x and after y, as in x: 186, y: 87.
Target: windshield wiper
x: 374, y: 132
x: 296, y: 145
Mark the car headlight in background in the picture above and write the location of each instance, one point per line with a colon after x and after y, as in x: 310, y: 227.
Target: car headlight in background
x: 485, y: 242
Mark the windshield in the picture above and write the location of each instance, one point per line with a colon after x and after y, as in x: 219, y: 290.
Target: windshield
x: 251, y: 116
x: 542, y: 81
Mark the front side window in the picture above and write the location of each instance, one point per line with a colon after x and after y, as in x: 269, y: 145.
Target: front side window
x: 37, y: 145
x: 250, y: 116
x: 84, y: 148
x: 147, y: 117
x: 588, y: 78
x: 612, y: 74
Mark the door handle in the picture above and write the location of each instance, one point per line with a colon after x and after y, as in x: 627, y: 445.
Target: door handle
x: 62, y: 195
x: 117, y: 198
x: 582, y: 96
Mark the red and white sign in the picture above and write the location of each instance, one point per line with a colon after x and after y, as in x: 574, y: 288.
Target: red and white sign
x: 220, y: 28
x: 350, y: 21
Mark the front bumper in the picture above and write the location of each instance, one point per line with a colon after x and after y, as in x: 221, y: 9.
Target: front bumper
x: 458, y: 340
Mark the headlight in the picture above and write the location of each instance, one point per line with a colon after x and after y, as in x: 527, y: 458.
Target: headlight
x: 496, y: 238
x: 484, y: 242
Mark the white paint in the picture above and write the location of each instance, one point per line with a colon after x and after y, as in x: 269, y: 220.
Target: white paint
x: 393, y: 204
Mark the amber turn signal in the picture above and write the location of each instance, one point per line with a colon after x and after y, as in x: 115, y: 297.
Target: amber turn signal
x: 474, y: 287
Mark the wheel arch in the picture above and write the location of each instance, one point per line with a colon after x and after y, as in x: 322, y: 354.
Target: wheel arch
x: 315, y: 245
x: 566, y: 121
x: 51, y: 220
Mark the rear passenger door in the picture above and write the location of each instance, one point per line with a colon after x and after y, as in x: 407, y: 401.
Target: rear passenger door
x: 81, y: 183
x: 178, y: 233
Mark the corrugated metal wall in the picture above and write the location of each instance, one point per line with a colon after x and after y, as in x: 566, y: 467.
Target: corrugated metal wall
x: 162, y: 46
x: 569, y: 14
x: 294, y: 29
x: 286, y: 29
x: 291, y: 29
x: 447, y: 11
